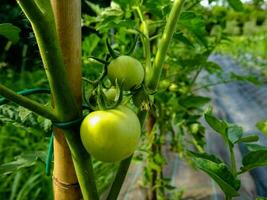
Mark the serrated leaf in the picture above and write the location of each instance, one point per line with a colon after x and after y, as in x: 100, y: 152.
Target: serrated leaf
x: 262, y: 126
x: 236, y: 5
x: 23, y: 113
x: 10, y: 31
x: 234, y: 133
x: 219, y: 126
x: 254, y: 159
x: 194, y: 101
x: 219, y: 172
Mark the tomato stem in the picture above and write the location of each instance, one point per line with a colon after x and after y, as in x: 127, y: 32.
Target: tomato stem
x: 27, y: 103
x: 233, y: 160
x: 123, y: 168
x: 145, y: 40
x: 62, y: 38
x: 153, y: 76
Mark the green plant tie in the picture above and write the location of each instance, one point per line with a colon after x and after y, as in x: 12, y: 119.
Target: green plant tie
x: 27, y: 92
x: 49, y: 157
x: 50, y: 152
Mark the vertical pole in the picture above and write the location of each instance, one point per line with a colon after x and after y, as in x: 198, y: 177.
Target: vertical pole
x: 68, y: 23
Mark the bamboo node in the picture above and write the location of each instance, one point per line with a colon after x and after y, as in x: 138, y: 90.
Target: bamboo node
x: 64, y: 185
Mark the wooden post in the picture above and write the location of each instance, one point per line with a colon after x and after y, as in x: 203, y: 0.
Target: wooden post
x: 68, y: 22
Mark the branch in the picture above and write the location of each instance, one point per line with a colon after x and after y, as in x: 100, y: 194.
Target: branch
x: 154, y: 75
x: 27, y: 103
x: 31, y: 10
x: 41, y: 17
x: 123, y: 168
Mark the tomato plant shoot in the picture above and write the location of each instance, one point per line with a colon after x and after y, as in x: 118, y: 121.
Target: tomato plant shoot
x: 127, y: 70
x: 111, y: 135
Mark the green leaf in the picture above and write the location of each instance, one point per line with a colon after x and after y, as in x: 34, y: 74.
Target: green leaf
x: 194, y: 101
x: 249, y: 78
x: 10, y: 31
x: 254, y: 159
x: 22, y: 161
x: 255, y: 147
x: 206, y: 156
x: 236, y: 5
x: 218, y: 171
x: 212, y: 67
x: 181, y: 37
x: 124, y: 4
x: 218, y: 125
x: 234, y: 133
x: 196, y: 25
x: 262, y: 126
x: 250, y: 138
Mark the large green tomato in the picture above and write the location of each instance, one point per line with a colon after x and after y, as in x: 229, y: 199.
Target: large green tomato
x: 111, y: 135
x: 128, y: 71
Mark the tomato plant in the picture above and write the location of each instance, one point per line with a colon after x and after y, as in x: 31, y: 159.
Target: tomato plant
x: 111, y: 135
x: 127, y: 70
x: 168, y: 64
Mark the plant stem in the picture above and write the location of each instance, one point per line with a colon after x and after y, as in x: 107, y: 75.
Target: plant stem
x: 119, y: 179
x: 145, y: 40
x: 228, y: 198
x: 153, y: 76
x: 50, y: 51
x: 27, y: 103
x: 67, y: 18
x: 233, y: 161
x: 83, y: 166
x: 64, y: 78
x: 123, y: 168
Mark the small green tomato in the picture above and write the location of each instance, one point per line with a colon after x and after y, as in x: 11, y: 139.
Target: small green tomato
x: 127, y: 70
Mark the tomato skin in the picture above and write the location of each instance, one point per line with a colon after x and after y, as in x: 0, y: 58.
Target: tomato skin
x: 111, y: 94
x: 127, y: 70
x: 111, y: 135
x: 164, y: 84
x: 173, y: 87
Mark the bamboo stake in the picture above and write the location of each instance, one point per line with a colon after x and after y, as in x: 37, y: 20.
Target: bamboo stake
x: 67, y: 16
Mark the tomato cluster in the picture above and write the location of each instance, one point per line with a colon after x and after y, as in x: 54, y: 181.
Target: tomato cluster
x: 112, y: 135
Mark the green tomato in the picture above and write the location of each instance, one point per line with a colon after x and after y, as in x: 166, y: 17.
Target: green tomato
x: 111, y: 94
x: 173, y: 87
x: 128, y: 71
x: 164, y: 84
x: 194, y: 128
x: 111, y: 135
